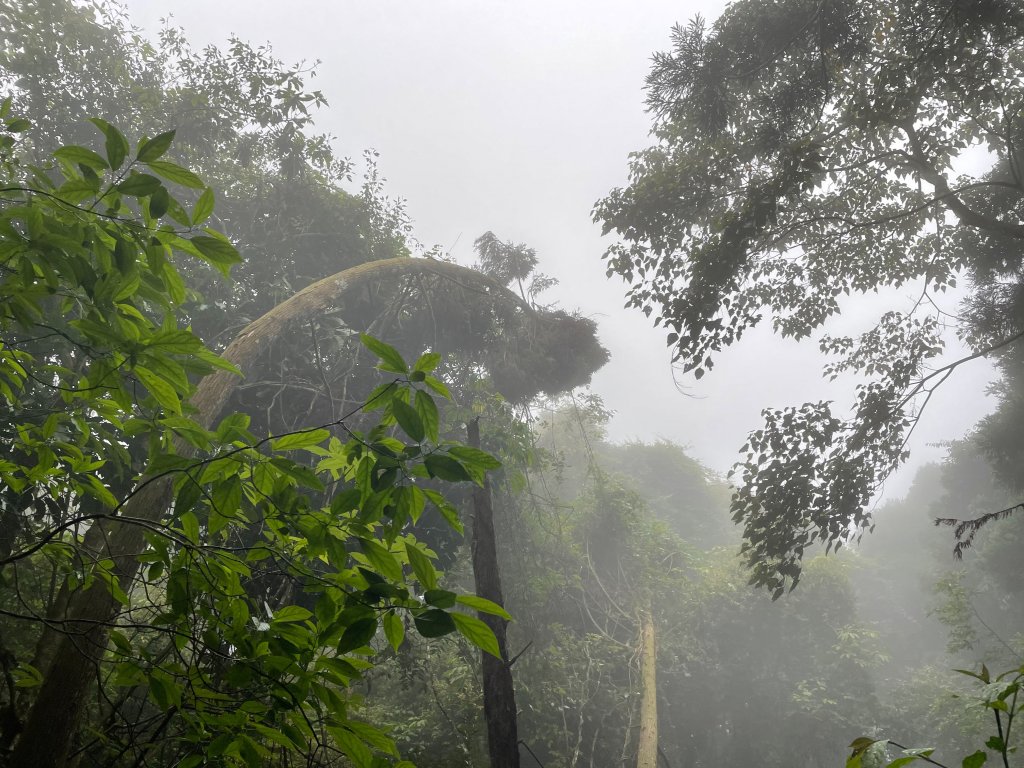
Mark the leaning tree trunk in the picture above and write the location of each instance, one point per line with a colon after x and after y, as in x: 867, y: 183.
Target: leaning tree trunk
x: 52, y: 722
x: 647, y: 751
x: 499, y: 692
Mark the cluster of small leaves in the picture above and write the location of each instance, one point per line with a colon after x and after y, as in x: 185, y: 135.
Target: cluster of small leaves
x: 809, y: 476
x: 999, y: 695
x: 91, y: 350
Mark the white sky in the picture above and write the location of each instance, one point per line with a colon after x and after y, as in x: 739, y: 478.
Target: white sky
x: 515, y: 117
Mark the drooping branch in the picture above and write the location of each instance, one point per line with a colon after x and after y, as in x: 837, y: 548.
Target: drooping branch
x: 964, y: 531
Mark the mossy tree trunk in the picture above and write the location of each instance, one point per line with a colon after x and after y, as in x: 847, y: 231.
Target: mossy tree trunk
x: 647, y: 749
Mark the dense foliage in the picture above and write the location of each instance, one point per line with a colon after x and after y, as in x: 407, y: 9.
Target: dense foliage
x: 238, y: 608
x: 808, y: 151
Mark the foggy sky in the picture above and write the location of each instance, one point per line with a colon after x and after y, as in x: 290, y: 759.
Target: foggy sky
x: 516, y: 117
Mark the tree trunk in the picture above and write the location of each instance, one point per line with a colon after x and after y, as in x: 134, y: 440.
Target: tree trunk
x: 53, y: 720
x: 647, y: 750
x: 499, y: 692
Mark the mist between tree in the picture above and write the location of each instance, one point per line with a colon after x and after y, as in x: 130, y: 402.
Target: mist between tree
x: 280, y: 486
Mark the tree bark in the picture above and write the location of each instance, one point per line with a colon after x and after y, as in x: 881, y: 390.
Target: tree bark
x: 647, y: 750
x: 53, y: 720
x: 499, y: 691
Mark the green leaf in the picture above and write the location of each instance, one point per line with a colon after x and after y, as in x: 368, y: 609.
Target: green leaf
x: 446, y: 468
x: 394, y: 630
x: 164, y: 691
x: 81, y: 155
x: 439, y: 598
x: 77, y: 190
x: 352, y: 746
x: 227, y: 500
x: 381, y: 559
x: 421, y: 566
x: 116, y: 144
x: 204, y: 207
x: 151, y: 149
x: 291, y: 614
x: 189, y: 526
x: 478, y: 633
x: 162, y: 392
x: 427, y: 410
x: 298, y: 440
x: 434, y: 623
x: 483, y: 605
x: 427, y: 362
x: 216, y: 251
x: 99, y: 491
x: 373, y: 736
x: 357, y: 634
x: 175, y: 173
x: 473, y: 457
x: 139, y: 185
x: 408, y: 419
x: 304, y: 476
x: 410, y: 502
x: 975, y: 760
x: 438, y: 386
x: 447, y: 510
x: 390, y: 359
x: 159, y: 203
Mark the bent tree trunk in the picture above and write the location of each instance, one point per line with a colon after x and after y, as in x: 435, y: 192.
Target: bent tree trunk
x: 82, y: 632
x: 647, y: 751
x: 499, y: 691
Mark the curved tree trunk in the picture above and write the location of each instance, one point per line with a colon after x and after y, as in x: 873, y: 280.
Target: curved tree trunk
x: 53, y: 720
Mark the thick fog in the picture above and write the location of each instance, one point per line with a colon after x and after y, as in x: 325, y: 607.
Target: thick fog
x: 267, y: 503
x: 516, y: 118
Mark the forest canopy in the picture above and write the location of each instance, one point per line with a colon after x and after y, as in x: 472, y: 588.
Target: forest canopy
x: 805, y: 152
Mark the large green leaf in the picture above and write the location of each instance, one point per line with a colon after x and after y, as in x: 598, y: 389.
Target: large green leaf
x: 421, y: 566
x: 297, y: 440
x: 478, y: 633
x: 483, y: 605
x: 390, y: 359
x: 408, y: 419
x: 116, y: 144
x: 175, y: 173
x: 82, y: 155
x: 357, y: 634
x: 152, y: 149
x: 162, y: 391
x: 219, y: 252
x: 434, y: 623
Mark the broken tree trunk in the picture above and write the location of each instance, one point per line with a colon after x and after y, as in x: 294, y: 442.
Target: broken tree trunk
x: 647, y: 750
x: 52, y: 722
x: 499, y: 692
